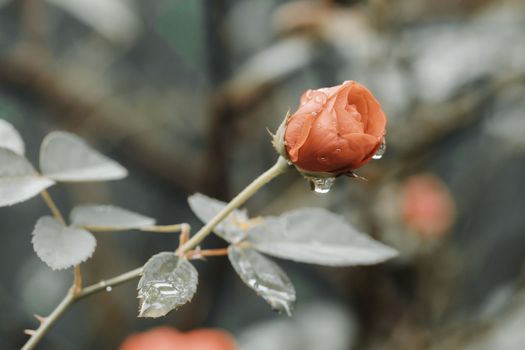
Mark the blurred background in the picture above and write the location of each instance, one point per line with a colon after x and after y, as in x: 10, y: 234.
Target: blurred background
x: 181, y: 93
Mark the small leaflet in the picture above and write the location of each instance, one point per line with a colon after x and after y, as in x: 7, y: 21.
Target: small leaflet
x: 265, y: 277
x: 18, y: 179
x: 10, y: 138
x: 66, y: 157
x: 317, y: 236
x: 108, y: 216
x: 232, y: 229
x: 59, y: 246
x: 168, y: 281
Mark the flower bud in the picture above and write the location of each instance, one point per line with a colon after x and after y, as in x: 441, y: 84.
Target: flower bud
x: 166, y: 338
x: 334, y: 131
x: 427, y: 207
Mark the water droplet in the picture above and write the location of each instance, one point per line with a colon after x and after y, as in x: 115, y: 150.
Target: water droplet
x: 322, y: 159
x: 337, y: 150
x: 321, y: 184
x: 380, y: 151
x: 109, y: 289
x: 314, y: 113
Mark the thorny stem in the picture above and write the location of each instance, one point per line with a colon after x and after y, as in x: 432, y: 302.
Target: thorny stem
x: 46, y: 324
x: 73, y: 295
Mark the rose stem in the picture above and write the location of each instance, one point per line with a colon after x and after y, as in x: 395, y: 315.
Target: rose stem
x: 75, y: 294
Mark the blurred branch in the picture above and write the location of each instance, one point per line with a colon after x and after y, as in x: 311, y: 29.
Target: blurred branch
x: 247, y: 87
x: 75, y: 105
x: 34, y: 25
x: 434, y: 123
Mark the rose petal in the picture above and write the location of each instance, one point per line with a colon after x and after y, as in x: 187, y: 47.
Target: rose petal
x: 374, y: 117
x: 297, y: 132
x: 349, y: 121
x: 356, y: 150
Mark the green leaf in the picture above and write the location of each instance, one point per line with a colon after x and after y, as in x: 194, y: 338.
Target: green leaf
x: 232, y: 229
x: 66, y: 157
x: 59, y: 246
x: 108, y: 216
x: 10, y: 138
x: 265, y: 277
x: 18, y: 179
x: 317, y: 236
x: 167, y: 282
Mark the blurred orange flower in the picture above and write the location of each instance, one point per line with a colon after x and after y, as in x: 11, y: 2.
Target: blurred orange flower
x: 427, y: 206
x: 166, y: 338
x: 335, y: 130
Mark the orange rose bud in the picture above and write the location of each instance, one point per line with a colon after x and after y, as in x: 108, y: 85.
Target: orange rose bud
x: 166, y: 338
x: 427, y: 207
x: 334, y: 131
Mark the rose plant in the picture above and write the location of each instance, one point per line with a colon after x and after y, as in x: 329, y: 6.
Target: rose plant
x: 333, y: 132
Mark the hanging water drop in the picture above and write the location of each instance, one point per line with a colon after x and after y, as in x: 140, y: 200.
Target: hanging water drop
x: 380, y: 151
x: 109, y: 289
x: 321, y: 184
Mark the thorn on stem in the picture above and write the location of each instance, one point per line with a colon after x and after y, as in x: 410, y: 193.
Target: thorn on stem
x: 40, y: 319
x: 30, y: 332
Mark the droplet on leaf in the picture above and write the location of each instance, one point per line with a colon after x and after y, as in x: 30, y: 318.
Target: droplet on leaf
x: 167, y: 282
x: 265, y: 277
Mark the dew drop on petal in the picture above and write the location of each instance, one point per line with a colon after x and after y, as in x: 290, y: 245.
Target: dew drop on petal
x: 321, y: 184
x: 380, y: 151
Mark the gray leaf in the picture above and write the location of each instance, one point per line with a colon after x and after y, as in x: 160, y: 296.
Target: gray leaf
x: 59, y: 246
x: 167, y: 282
x: 10, y: 138
x: 18, y: 179
x: 66, y: 157
x: 317, y: 236
x: 263, y: 276
x: 232, y: 229
x: 108, y: 216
